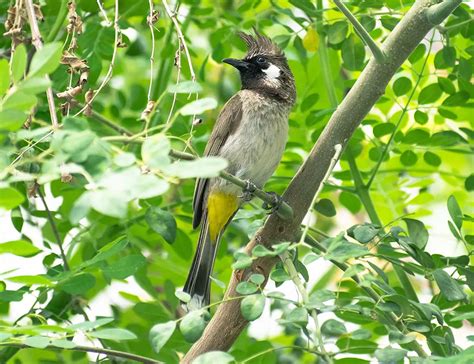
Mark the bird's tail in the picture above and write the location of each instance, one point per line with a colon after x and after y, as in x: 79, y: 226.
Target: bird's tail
x: 198, y: 282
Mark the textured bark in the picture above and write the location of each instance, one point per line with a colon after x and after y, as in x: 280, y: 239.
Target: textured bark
x: 227, y: 323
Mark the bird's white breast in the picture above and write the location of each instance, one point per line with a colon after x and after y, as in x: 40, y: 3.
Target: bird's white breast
x: 256, y: 147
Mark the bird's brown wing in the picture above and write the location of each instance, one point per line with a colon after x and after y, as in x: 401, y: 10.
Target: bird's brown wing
x: 227, y: 123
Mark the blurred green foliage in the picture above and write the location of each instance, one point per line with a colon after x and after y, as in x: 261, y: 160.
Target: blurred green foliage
x: 124, y: 210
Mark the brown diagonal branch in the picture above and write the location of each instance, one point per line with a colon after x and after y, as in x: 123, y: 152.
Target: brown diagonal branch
x: 228, y: 323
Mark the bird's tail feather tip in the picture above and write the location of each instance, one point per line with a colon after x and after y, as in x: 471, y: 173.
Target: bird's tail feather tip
x: 196, y: 302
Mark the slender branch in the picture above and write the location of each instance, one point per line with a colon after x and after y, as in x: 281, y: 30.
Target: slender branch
x: 104, y: 13
x: 366, y: 38
x: 227, y: 322
x: 438, y: 12
x: 335, y: 158
x: 292, y: 272
x: 38, y: 43
x: 181, y: 37
x: 364, y: 196
x: 150, y: 104
x: 90, y: 349
x: 400, y: 119
x: 54, y: 228
x: 282, y: 208
x: 109, y: 73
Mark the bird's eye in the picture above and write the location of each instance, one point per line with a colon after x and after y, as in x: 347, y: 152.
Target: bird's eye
x: 260, y: 60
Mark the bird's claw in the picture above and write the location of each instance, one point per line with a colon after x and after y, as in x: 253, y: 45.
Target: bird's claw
x: 275, y: 204
x: 248, y: 190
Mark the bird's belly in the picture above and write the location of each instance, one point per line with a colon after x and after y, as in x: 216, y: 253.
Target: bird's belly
x: 255, y: 150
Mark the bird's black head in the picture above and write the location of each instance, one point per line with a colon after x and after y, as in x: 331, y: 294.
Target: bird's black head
x: 264, y: 68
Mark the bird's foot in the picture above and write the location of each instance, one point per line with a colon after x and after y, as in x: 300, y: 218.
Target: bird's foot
x: 274, y: 205
x: 248, y: 190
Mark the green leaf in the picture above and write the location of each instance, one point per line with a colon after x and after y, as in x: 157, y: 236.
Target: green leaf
x: 417, y: 232
x: 78, y: 284
x: 383, y: 129
x: 341, y: 250
x: 298, y: 316
x: 199, y: 106
x: 261, y: 251
x: 465, y: 357
x: 365, y: 233
x: 469, y: 183
x: 4, y: 76
x: 63, y: 343
x: 19, y: 101
x: 429, y: 94
x: 245, y: 288
x: 22, y: 248
x: 337, y: 32
x: 279, y: 275
x: 39, y: 342
x: 113, y: 334
x: 325, y: 207
x: 4, y: 336
x: 125, y: 266
x: 214, y: 357
x: 463, y: 316
x: 107, y: 251
x: 457, y: 99
x: 160, y: 334
x: 89, y: 325
x: 161, y: 222
x: 252, y: 306
x: 10, y: 198
x: 46, y: 60
x: 257, y: 278
x: 31, y: 280
x: 432, y: 159
x: 333, y: 328
x: 350, y: 201
x: 206, y: 167
x: 182, y: 296
x: 18, y: 63
x: 401, y: 86
x: 193, y: 325
x: 449, y: 287
x: 11, y: 296
x: 242, y: 261
x: 34, y: 85
x: 421, y: 117
x: 185, y: 87
x: 390, y: 355
x: 408, y: 158
x: 155, y: 151
x: 455, y: 211
x: 353, y: 53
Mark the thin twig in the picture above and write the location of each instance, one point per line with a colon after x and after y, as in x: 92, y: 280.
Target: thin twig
x: 366, y: 38
x: 38, y: 43
x: 282, y: 208
x: 103, y: 12
x: 54, y: 228
x: 292, y: 272
x: 181, y: 37
x: 90, y: 349
x: 400, y: 119
x: 108, y: 75
x: 335, y: 158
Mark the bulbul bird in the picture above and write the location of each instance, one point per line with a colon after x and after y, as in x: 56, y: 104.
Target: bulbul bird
x: 251, y: 133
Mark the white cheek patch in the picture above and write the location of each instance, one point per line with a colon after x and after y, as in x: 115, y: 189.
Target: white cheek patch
x: 273, y: 72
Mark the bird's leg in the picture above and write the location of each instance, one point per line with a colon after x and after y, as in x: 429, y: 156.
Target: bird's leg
x: 248, y: 190
x: 275, y: 204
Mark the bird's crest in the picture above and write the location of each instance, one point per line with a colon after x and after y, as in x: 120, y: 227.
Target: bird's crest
x: 260, y: 45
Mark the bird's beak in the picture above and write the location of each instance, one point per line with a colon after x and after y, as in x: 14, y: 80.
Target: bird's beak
x: 237, y: 63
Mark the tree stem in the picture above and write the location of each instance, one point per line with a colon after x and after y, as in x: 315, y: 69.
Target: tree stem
x: 90, y: 349
x: 361, y: 32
